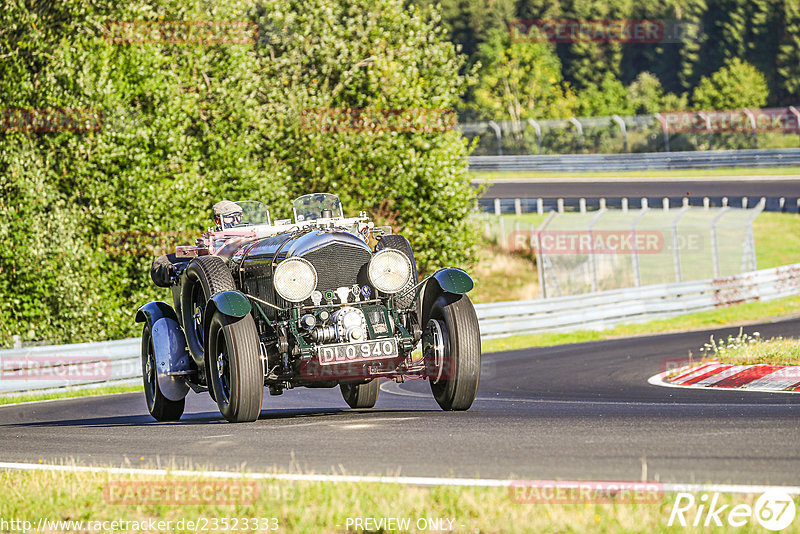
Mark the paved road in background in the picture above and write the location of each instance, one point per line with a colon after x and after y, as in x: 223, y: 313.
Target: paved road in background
x: 711, y: 187
x: 578, y: 411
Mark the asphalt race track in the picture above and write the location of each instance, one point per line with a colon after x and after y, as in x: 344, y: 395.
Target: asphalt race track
x: 599, y: 188
x: 572, y: 412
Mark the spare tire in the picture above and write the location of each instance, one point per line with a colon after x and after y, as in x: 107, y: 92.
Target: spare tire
x: 205, y: 276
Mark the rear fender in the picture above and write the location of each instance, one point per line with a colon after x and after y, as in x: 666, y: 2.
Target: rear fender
x: 153, y: 311
x: 173, y: 363
x: 448, y: 281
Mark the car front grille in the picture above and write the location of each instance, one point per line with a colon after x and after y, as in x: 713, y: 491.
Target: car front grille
x: 339, y: 265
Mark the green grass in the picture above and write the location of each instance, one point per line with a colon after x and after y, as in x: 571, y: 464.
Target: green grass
x: 739, y: 171
x: 745, y: 349
x: 777, y: 238
x: 69, y: 393
x: 326, y: 506
x: 729, y: 316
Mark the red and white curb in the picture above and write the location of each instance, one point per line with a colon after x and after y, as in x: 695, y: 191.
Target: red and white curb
x: 714, y: 375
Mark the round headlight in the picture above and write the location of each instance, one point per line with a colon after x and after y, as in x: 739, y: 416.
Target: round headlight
x: 295, y: 279
x: 389, y: 270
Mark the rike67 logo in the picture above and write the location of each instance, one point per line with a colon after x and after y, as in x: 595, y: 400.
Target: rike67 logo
x: 774, y: 510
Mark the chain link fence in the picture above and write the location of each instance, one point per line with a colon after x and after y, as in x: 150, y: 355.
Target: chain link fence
x: 608, y: 249
x: 620, y: 134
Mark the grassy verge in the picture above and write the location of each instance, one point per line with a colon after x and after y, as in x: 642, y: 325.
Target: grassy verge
x: 744, y: 349
x: 730, y: 316
x: 325, y: 506
x: 69, y: 393
x: 683, y: 173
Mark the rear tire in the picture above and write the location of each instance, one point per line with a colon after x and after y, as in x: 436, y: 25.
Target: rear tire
x: 160, y: 407
x: 455, y: 373
x: 361, y: 395
x: 233, y: 364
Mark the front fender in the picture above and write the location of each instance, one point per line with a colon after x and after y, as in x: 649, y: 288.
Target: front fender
x: 232, y: 304
x: 153, y: 311
x: 444, y: 281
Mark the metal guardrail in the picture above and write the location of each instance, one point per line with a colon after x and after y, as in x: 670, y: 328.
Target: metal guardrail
x: 600, y: 310
x: 87, y: 365
x: 709, y: 159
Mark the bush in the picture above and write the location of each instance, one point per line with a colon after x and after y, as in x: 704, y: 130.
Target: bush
x: 184, y: 125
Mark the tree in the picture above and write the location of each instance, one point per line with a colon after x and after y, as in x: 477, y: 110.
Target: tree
x: 645, y: 94
x: 183, y: 125
x: 608, y: 97
x: 788, y: 59
x: 521, y: 80
x: 737, y: 85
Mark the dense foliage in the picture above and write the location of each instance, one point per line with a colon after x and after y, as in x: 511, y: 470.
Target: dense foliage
x: 185, y: 124
x: 607, y: 77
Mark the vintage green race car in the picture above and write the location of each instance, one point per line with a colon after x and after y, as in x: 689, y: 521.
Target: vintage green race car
x: 303, y: 302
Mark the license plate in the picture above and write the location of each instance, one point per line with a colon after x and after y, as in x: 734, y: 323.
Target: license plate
x: 379, y: 349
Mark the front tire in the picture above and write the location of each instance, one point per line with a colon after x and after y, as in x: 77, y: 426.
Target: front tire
x: 361, y: 395
x: 234, y: 369
x: 452, y: 351
x: 160, y: 407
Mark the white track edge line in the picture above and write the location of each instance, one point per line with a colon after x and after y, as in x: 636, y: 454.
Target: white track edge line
x: 407, y: 481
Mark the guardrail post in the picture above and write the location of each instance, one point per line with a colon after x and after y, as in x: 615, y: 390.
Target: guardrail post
x: 744, y: 203
x: 664, y: 130
x: 685, y: 201
x: 560, y: 205
x: 517, y: 207
x: 724, y: 202
x: 624, y: 206
x: 592, y: 255
x: 706, y: 203
x: 497, y: 210
x: 793, y: 110
x: 675, y: 244
x: 499, y: 134
x: 582, y: 204
x: 575, y: 122
x: 782, y: 203
x: 644, y: 202
x: 538, y: 130
x: 539, y: 206
x: 703, y: 115
x: 602, y: 203
x: 715, y: 243
x: 665, y: 203
x: 752, y: 118
x: 623, y: 129
x: 540, y: 257
x: 750, y: 242
x: 637, y: 275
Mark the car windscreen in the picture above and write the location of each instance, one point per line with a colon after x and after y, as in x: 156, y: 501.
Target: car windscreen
x: 254, y: 212
x: 310, y: 207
